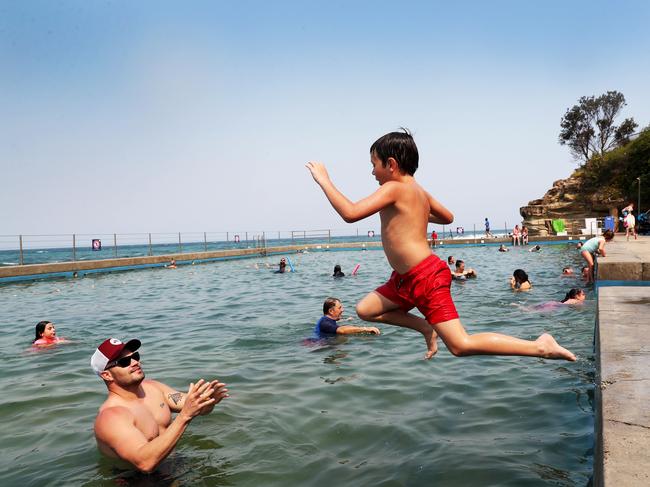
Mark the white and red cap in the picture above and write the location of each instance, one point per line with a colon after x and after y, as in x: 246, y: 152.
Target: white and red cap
x: 109, y: 350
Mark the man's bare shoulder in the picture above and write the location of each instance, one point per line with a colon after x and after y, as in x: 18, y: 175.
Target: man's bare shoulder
x: 109, y: 414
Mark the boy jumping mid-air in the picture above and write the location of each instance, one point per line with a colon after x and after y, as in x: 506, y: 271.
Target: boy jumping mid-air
x: 419, y: 279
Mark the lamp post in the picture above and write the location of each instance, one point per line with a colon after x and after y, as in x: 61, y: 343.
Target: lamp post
x: 638, y: 202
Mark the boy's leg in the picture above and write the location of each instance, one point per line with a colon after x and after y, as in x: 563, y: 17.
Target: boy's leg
x: 460, y: 343
x: 379, y: 309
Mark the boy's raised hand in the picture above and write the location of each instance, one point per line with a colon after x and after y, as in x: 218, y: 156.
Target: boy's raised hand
x: 318, y: 171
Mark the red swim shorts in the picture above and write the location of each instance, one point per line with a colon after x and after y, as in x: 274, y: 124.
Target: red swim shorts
x: 426, y: 286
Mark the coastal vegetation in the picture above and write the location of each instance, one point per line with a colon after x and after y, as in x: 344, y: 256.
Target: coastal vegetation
x: 613, y: 156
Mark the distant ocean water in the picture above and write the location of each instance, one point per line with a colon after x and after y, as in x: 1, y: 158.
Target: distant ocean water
x: 355, y: 411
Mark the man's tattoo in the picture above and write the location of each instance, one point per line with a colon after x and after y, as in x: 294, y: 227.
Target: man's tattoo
x: 176, y: 397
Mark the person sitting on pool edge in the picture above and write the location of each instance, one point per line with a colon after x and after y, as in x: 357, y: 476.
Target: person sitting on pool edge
x: 135, y: 422
x: 519, y: 281
x: 338, y: 272
x: 45, y: 335
x: 327, y: 324
x: 461, y: 273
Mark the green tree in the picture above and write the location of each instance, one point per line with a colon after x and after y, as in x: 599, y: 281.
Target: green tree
x: 588, y: 128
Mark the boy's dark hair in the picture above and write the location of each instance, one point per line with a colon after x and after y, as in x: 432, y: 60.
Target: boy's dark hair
x: 608, y: 234
x: 401, y: 147
x: 329, y: 304
x: 459, y: 263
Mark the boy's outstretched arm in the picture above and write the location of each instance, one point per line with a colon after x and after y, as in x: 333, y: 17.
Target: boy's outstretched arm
x: 438, y: 213
x: 349, y: 211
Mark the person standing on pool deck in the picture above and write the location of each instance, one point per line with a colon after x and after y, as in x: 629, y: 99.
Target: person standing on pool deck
x: 332, y: 312
x: 419, y: 277
x: 135, y: 422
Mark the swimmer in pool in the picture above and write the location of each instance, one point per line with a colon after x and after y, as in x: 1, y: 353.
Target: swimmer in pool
x: 567, y: 271
x: 519, y: 281
x: 283, y: 267
x: 419, y: 279
x: 536, y: 248
x: 135, y: 422
x: 451, y: 260
x: 503, y: 248
x: 45, y: 335
x: 584, y: 273
x: 461, y: 273
x: 338, y: 272
x: 332, y: 312
x: 172, y: 264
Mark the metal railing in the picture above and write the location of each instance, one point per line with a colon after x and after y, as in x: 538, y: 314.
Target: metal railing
x: 39, y: 249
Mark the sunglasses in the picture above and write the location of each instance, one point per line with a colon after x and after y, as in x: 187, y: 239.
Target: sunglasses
x: 123, y: 361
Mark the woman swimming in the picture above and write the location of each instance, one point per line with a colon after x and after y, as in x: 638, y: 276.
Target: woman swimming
x: 519, y: 281
x: 338, y: 272
x: 46, y: 335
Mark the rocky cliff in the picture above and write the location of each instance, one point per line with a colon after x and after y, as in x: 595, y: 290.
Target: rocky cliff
x: 568, y: 200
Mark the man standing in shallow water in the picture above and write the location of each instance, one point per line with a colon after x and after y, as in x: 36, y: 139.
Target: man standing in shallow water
x: 419, y: 279
x: 135, y: 422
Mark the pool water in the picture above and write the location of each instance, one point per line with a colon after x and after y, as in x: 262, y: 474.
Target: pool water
x: 357, y: 411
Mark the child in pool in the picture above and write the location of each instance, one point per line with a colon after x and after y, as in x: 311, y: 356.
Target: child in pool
x: 574, y: 296
x: 519, y: 281
x: 419, y: 277
x: 46, y: 335
x: 592, y: 247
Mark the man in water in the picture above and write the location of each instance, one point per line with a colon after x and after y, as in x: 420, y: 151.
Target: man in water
x: 462, y: 273
x: 283, y: 267
x: 135, y: 422
x: 332, y: 312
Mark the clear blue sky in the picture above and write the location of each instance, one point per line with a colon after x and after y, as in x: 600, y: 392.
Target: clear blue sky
x: 158, y: 116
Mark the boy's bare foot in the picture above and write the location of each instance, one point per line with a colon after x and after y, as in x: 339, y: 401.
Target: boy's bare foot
x: 549, y: 348
x: 431, y: 337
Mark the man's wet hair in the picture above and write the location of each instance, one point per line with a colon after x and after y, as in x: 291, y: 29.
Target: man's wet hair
x: 459, y: 262
x: 401, y: 147
x: 329, y: 304
x: 572, y: 294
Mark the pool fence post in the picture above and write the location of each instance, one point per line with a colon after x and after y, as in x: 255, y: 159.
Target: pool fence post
x: 180, y: 245
x: 115, y: 245
x: 205, y: 242
x: 357, y: 231
x: 291, y: 237
x: 304, y: 234
x: 20, y: 238
x: 329, y: 236
x: 475, y: 233
x: 74, y: 247
x: 505, y: 226
x: 278, y: 235
x: 227, y: 238
x: 246, y: 237
x: 150, y: 249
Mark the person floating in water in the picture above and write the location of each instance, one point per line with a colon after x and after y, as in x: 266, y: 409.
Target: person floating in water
x: 327, y: 324
x: 503, y: 248
x: 536, y: 248
x: 592, y: 247
x: 338, y: 272
x: 567, y: 271
x: 135, y: 422
x: 45, y: 335
x: 451, y: 260
x: 461, y: 273
x: 519, y: 281
x: 419, y: 279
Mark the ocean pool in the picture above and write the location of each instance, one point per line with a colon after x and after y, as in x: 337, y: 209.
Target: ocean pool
x: 358, y: 411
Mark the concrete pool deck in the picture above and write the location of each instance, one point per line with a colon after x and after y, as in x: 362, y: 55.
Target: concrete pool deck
x: 622, y: 341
